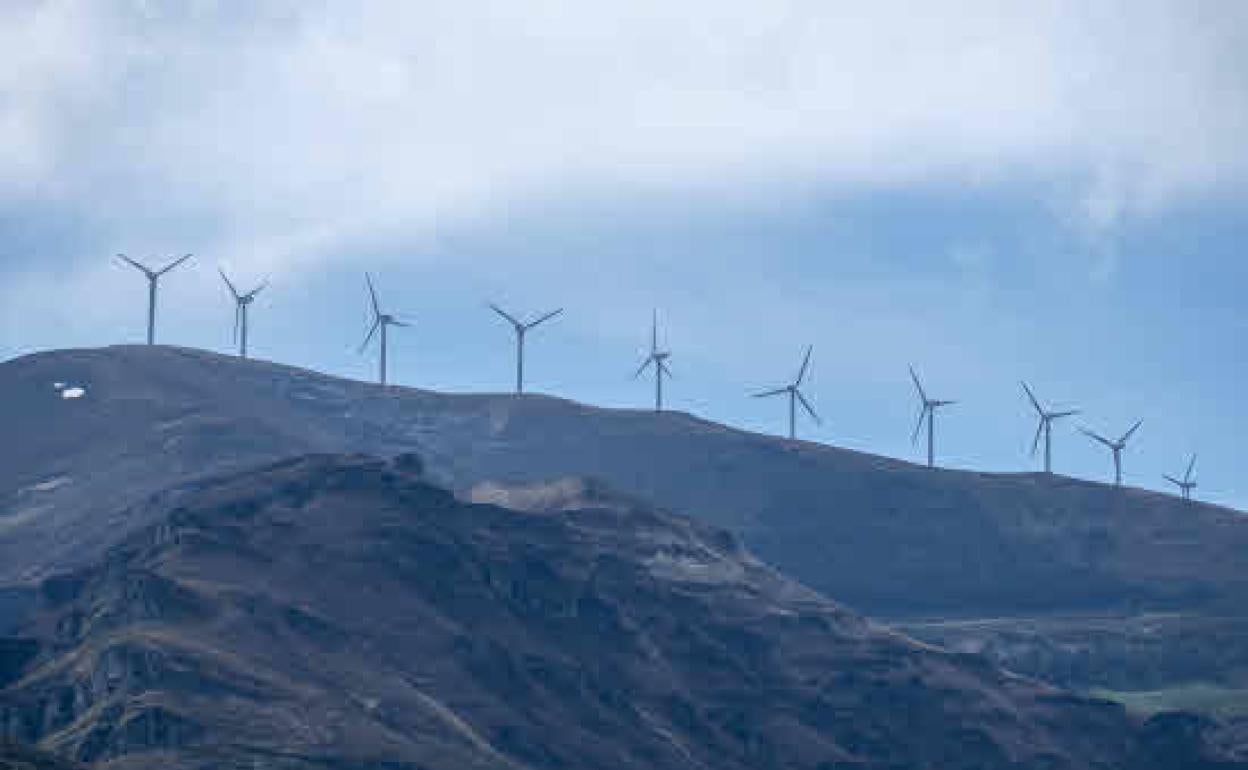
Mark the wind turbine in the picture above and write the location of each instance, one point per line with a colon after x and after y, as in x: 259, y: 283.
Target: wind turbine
x: 930, y: 405
x: 1114, y: 446
x: 242, y: 303
x: 795, y: 395
x: 381, y: 321
x: 521, y: 330
x: 659, y: 359
x: 1186, y: 485
x: 1045, y: 427
x: 153, y: 279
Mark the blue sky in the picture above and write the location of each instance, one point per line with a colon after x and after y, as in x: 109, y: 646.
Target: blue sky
x: 1054, y: 194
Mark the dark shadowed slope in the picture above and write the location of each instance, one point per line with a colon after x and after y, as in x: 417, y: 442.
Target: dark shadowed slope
x: 17, y: 757
x: 882, y: 535
x: 338, y: 612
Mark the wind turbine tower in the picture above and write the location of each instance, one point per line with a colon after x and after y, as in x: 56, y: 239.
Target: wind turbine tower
x: 521, y: 330
x: 928, y: 415
x: 1114, y: 446
x: 153, y: 281
x: 793, y: 390
x: 1045, y: 428
x: 659, y: 359
x: 382, y: 321
x: 1187, y: 484
x: 242, y: 304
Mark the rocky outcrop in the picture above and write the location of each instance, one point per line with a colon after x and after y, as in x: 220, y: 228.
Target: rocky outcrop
x: 340, y: 611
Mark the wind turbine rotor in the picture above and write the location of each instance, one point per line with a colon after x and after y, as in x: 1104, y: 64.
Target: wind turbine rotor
x: 806, y: 404
x: 1097, y: 437
x: 137, y: 265
x: 1035, y: 444
x: 511, y: 320
x: 918, y: 428
x: 1035, y: 402
x: 256, y: 291
x: 173, y: 264
x: 372, y: 293
x: 919, y: 387
x: 801, y: 373
x: 371, y: 332
x: 1127, y: 436
x: 775, y: 392
x: 230, y: 285
x: 645, y: 365
x: 543, y: 319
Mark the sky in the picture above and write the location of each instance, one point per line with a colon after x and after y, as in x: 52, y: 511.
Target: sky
x: 992, y: 192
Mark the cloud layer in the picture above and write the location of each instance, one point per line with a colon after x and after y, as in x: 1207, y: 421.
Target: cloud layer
x: 292, y: 129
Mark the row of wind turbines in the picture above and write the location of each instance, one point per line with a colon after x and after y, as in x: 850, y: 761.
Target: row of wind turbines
x: 657, y: 359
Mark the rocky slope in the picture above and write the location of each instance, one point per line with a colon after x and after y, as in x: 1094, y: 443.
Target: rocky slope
x: 341, y: 612
x: 885, y: 537
x: 17, y: 757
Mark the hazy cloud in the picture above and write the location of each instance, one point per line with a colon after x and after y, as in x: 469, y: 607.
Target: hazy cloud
x: 293, y: 128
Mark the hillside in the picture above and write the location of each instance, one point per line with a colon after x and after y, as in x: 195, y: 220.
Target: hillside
x: 884, y: 536
x: 340, y: 612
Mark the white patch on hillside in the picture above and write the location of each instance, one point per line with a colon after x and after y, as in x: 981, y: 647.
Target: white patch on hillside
x: 72, y: 393
x: 49, y: 485
x: 687, y: 568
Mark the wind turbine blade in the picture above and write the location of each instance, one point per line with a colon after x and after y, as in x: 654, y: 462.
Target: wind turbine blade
x: 396, y: 322
x: 654, y: 334
x: 1035, y: 444
x: 1127, y: 436
x: 506, y: 315
x: 1034, y: 401
x: 644, y: 365
x: 372, y: 293
x: 1060, y: 415
x: 372, y: 330
x: 174, y: 264
x: 801, y: 373
x: 1190, y: 466
x: 809, y: 409
x: 141, y: 268
x: 544, y: 318
x: 257, y: 290
x: 663, y: 366
x: 1097, y: 437
x: 1172, y: 480
x: 229, y: 283
x: 238, y: 321
x: 944, y: 403
x: 919, y: 387
x: 919, y: 427
x: 768, y: 393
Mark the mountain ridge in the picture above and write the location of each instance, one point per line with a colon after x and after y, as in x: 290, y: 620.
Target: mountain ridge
x: 183, y: 413
x: 886, y: 537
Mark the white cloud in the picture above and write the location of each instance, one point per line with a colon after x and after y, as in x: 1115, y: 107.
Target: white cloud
x: 295, y: 128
